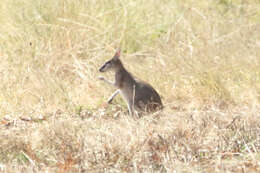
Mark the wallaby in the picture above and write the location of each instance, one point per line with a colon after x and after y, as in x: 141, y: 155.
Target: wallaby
x: 139, y: 96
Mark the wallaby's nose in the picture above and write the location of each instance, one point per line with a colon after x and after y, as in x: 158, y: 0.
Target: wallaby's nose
x: 101, y: 69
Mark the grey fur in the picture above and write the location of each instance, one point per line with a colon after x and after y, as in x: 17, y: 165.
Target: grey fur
x: 139, y: 95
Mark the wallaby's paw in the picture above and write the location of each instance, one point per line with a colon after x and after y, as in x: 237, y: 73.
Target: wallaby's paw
x: 109, y: 101
x: 101, y: 78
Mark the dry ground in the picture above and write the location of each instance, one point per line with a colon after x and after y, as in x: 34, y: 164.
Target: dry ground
x: 203, y: 57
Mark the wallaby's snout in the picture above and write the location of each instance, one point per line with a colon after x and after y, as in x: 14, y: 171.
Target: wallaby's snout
x: 101, y: 69
x: 104, y: 67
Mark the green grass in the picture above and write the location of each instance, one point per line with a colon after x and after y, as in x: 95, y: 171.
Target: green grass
x: 202, y: 57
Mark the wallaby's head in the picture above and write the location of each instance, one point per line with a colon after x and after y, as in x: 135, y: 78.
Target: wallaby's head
x: 112, y: 64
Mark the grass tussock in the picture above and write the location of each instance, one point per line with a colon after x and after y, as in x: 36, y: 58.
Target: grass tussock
x: 204, y: 61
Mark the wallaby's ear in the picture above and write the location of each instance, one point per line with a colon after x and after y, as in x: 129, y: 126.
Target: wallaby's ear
x: 117, y: 54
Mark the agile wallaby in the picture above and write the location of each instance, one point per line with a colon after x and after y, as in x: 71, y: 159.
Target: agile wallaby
x: 139, y: 96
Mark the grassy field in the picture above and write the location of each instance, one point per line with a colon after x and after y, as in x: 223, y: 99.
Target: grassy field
x: 203, y: 57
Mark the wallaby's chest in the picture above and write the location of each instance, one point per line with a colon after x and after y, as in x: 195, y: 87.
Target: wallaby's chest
x: 124, y: 81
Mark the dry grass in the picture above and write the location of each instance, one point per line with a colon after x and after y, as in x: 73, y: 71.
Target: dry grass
x: 204, y: 59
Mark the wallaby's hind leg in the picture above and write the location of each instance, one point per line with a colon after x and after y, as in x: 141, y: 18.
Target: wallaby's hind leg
x: 112, y: 96
x: 132, y: 111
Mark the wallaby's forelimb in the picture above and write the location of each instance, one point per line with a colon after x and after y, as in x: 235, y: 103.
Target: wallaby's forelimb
x: 112, y: 96
x: 105, y: 80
